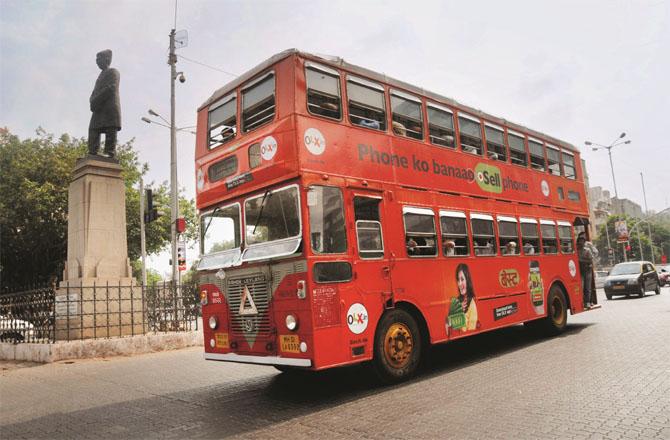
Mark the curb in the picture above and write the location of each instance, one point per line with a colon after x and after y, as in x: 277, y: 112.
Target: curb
x: 94, y: 348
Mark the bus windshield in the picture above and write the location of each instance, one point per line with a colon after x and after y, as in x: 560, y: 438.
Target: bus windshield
x: 272, y: 223
x: 220, y: 237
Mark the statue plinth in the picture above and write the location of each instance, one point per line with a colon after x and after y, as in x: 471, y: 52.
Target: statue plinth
x: 96, y: 231
x: 97, y: 253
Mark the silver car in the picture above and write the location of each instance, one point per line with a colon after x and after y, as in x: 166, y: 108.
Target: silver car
x: 600, y: 278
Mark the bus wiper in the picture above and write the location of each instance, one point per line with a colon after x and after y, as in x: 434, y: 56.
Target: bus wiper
x: 217, y: 209
x: 260, y: 212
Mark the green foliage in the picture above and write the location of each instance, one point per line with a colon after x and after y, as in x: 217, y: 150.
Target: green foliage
x: 36, y: 175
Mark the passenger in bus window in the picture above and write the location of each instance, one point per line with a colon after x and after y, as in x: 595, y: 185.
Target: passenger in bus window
x: 369, y: 123
x: 463, y: 309
x: 450, y: 248
x: 528, y: 248
x: 510, y: 248
x: 399, y: 129
x: 412, y: 247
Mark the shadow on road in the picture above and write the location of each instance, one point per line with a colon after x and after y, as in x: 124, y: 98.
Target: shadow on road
x: 247, y: 405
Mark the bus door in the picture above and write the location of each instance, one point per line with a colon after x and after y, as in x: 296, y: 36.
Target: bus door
x: 373, y: 262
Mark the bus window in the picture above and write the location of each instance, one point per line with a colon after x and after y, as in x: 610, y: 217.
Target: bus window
x: 255, y: 155
x: 470, y: 131
x: 553, y: 160
x: 366, y: 103
x: 565, y: 237
x: 222, y: 121
x: 517, y: 151
x: 258, y: 102
x: 495, y: 143
x: 406, y: 115
x: 483, y: 237
x: 273, y: 215
x: 530, y: 236
x: 508, y: 235
x: 454, y: 234
x: 368, y: 227
x: 441, y: 126
x: 420, y: 236
x: 549, y: 241
x: 536, y: 154
x: 569, y: 165
x: 223, y: 168
x: 326, y: 220
x: 323, y: 91
x: 220, y: 230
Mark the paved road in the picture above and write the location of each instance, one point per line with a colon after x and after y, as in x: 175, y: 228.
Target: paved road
x: 608, y: 376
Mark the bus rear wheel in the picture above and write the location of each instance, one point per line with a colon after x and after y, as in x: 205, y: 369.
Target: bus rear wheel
x: 557, y: 313
x: 398, y: 347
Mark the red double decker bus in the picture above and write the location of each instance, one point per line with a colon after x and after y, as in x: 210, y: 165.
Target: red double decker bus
x: 350, y: 217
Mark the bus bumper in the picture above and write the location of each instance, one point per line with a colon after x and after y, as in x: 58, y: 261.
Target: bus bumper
x: 263, y: 360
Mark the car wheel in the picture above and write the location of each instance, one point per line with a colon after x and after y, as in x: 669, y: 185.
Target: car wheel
x: 608, y: 295
x: 658, y: 289
x: 398, y: 347
x: 641, y: 290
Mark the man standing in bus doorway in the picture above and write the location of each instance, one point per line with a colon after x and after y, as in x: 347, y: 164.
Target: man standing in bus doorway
x: 585, y: 267
x: 105, y: 105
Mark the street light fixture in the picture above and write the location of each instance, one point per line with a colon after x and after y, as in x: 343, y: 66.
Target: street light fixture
x: 609, y: 147
x: 150, y: 121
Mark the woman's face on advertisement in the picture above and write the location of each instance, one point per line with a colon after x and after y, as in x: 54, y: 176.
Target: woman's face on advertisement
x: 462, y: 283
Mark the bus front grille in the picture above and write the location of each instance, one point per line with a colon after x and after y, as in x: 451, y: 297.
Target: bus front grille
x: 257, y: 323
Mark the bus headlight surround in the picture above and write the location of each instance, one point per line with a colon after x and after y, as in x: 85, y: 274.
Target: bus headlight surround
x: 291, y: 322
x: 213, y: 322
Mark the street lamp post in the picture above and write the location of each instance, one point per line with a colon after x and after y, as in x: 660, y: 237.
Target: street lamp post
x: 609, y: 147
x: 596, y: 147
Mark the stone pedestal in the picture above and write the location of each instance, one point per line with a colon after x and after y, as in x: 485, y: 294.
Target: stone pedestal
x: 97, y: 293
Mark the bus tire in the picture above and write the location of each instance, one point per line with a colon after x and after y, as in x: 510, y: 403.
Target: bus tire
x: 557, y: 312
x: 398, y: 347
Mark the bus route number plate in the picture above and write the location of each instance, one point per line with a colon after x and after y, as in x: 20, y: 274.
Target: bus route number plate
x: 289, y: 343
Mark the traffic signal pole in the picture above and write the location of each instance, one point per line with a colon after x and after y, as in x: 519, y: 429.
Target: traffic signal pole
x: 143, y: 242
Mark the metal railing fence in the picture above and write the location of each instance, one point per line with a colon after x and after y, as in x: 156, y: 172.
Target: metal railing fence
x: 83, y: 311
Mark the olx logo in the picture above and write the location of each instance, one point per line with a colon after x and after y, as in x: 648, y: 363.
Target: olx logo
x: 488, y: 178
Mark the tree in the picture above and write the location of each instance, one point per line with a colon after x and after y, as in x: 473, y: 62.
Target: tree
x: 660, y: 234
x: 36, y: 174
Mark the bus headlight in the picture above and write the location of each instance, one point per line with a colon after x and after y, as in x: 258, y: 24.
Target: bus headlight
x: 291, y: 322
x: 213, y: 322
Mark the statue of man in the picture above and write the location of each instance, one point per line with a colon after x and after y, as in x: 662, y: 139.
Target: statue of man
x: 105, y: 105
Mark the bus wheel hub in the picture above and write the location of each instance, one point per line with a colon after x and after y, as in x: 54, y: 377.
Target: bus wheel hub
x: 398, y: 345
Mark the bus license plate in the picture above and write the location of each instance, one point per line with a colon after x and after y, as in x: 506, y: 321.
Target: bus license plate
x: 289, y: 343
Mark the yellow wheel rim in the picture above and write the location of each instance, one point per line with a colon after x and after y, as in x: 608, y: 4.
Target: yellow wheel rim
x: 398, y: 345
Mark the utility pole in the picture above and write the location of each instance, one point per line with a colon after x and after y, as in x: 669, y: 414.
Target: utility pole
x: 646, y: 211
x: 174, y: 205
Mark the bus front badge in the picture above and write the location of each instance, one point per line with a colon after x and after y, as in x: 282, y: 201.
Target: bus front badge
x: 247, y: 306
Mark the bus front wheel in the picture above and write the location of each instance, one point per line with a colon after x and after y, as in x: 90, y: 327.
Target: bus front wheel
x: 398, y: 346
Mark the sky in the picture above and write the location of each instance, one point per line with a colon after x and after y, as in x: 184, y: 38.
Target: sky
x: 576, y: 70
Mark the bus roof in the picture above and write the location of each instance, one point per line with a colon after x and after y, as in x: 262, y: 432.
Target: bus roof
x: 338, y: 62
